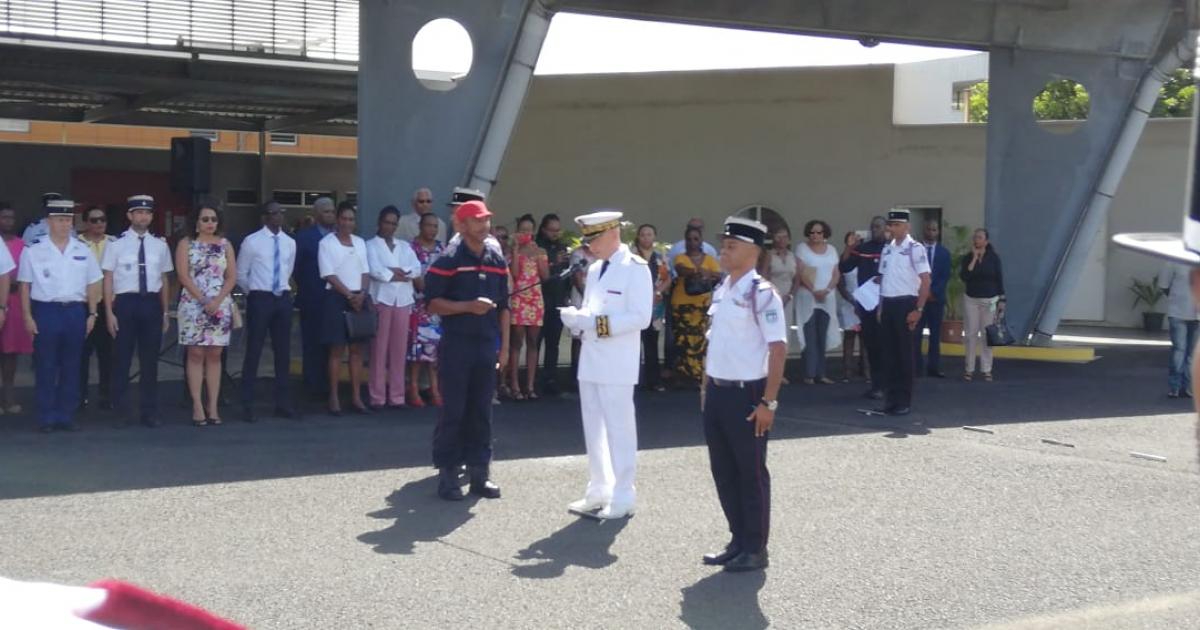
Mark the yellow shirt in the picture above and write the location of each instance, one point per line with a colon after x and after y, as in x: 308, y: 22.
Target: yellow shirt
x: 97, y: 247
x: 679, y: 295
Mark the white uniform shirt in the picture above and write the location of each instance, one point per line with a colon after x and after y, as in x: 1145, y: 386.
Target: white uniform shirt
x: 738, y: 340
x: 7, y: 264
x: 256, y: 261
x: 625, y: 294
x: 1174, y: 278
x: 58, y: 276
x: 347, y: 263
x: 121, y: 258
x: 901, y: 266
x: 409, y: 227
x: 381, y: 261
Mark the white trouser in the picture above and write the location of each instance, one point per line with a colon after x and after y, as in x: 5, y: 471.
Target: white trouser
x: 610, y: 432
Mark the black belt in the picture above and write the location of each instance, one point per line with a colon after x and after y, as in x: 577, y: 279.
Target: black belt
x: 60, y: 304
x: 720, y: 382
x: 271, y: 293
x: 896, y: 298
x: 154, y: 294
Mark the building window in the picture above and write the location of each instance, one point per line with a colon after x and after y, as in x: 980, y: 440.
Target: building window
x: 311, y: 196
x: 285, y: 139
x: 352, y: 197
x: 12, y: 125
x: 212, y: 135
x: 288, y: 197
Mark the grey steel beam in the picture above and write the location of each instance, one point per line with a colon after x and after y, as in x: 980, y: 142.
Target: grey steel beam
x: 1126, y: 28
x: 124, y: 106
x: 411, y: 136
x: 301, y: 120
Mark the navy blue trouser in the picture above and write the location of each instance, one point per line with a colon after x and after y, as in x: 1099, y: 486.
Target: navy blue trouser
x: 267, y: 313
x: 467, y: 374
x: 139, y: 323
x: 57, y: 351
x: 931, y: 318
x: 739, y: 462
x: 316, y: 354
x: 100, y: 342
x: 897, y: 349
x: 872, y: 344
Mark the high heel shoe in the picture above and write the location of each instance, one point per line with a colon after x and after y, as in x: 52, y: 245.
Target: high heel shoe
x: 335, y: 411
x: 413, y: 398
x: 361, y: 410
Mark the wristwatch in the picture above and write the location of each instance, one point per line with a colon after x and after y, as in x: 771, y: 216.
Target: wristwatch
x: 771, y: 405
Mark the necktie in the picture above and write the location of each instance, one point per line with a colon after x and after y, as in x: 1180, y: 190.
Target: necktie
x: 603, y: 268
x: 275, y: 288
x: 930, y: 254
x: 143, y: 284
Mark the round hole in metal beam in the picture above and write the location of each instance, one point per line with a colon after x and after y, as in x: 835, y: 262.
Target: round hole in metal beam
x: 442, y: 54
x: 1062, y: 106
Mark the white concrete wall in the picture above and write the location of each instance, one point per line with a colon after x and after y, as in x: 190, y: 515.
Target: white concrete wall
x: 924, y: 90
x: 811, y: 143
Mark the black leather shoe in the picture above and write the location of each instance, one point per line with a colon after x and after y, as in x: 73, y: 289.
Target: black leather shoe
x: 286, y: 414
x: 105, y: 405
x: 46, y: 429
x: 481, y: 486
x: 873, y: 394
x: 748, y: 562
x: 714, y: 559
x: 148, y: 421
x: 248, y: 415
x: 900, y: 411
x: 448, y: 487
x: 83, y: 404
x: 937, y: 374
x: 69, y: 427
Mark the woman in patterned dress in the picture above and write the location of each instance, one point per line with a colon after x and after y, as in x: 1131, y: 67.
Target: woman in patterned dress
x: 14, y: 339
x: 530, y: 265
x: 425, y: 328
x: 689, y: 313
x: 204, y: 262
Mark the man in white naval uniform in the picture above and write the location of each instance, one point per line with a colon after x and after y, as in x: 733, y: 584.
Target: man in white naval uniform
x: 617, y: 306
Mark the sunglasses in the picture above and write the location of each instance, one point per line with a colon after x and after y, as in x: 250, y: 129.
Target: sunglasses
x: 424, y: 201
x: 97, y: 220
x: 208, y: 219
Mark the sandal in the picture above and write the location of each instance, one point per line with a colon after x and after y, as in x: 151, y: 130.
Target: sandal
x: 214, y: 421
x: 987, y: 376
x: 199, y: 422
x: 809, y: 381
x: 968, y: 377
x: 516, y: 394
x: 825, y: 380
x: 531, y: 395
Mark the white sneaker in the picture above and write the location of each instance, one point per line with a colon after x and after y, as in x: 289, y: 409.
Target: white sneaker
x: 585, y: 505
x: 615, y: 511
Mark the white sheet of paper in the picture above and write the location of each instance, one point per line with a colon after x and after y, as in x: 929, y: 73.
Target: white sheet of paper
x: 867, y: 295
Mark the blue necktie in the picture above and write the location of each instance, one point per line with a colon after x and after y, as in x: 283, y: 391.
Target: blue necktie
x: 275, y: 272
x: 143, y: 282
x: 930, y: 253
x: 603, y: 268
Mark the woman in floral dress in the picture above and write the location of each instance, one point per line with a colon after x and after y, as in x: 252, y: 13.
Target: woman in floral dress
x: 425, y: 327
x: 529, y: 267
x: 204, y: 261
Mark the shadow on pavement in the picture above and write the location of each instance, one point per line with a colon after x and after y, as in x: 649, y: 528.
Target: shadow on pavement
x: 420, y: 517
x: 1124, y: 382
x: 584, y: 543
x: 724, y: 600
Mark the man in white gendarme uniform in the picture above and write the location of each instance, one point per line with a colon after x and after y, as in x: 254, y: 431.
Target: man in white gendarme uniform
x: 617, y: 305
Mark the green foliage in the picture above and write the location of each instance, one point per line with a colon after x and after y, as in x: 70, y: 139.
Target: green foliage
x: 1147, y: 293
x: 957, y: 239
x: 1068, y: 100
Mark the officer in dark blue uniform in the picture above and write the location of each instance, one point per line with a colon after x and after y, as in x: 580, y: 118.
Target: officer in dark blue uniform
x: 468, y: 288
x: 864, y: 257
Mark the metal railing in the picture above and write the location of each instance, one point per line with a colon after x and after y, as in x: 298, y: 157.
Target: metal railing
x: 314, y: 29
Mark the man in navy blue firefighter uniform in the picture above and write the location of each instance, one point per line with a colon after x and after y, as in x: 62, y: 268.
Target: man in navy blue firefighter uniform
x: 135, y: 270
x: 468, y: 288
x: 935, y: 308
x: 903, y: 292
x: 747, y: 347
x: 864, y: 257
x: 310, y: 292
x: 60, y: 291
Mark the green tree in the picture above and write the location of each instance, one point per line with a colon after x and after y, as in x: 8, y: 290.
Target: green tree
x: 1068, y: 100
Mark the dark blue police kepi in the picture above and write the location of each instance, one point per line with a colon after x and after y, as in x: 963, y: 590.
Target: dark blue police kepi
x: 747, y: 230
x: 140, y: 201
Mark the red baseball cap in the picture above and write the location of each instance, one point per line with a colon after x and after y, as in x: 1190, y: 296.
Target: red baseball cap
x: 471, y: 210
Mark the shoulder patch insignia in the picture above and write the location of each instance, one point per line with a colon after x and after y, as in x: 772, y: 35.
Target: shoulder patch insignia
x: 772, y: 316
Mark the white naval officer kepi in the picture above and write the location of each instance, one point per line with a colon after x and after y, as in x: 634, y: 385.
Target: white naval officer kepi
x: 618, y: 300
x: 901, y: 264
x: 747, y: 316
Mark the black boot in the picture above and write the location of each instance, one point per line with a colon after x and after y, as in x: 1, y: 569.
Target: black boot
x: 448, y: 487
x: 481, y: 486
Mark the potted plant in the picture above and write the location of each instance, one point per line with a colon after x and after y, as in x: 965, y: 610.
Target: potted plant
x: 957, y: 239
x: 1150, y: 294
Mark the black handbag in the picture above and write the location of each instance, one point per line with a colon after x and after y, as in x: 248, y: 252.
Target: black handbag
x: 697, y: 285
x: 998, y: 333
x: 361, y: 325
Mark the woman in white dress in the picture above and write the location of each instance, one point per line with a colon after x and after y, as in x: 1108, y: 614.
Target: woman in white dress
x: 816, y: 304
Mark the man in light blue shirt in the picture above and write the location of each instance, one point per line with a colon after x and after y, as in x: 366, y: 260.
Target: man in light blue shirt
x: 1183, y: 318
